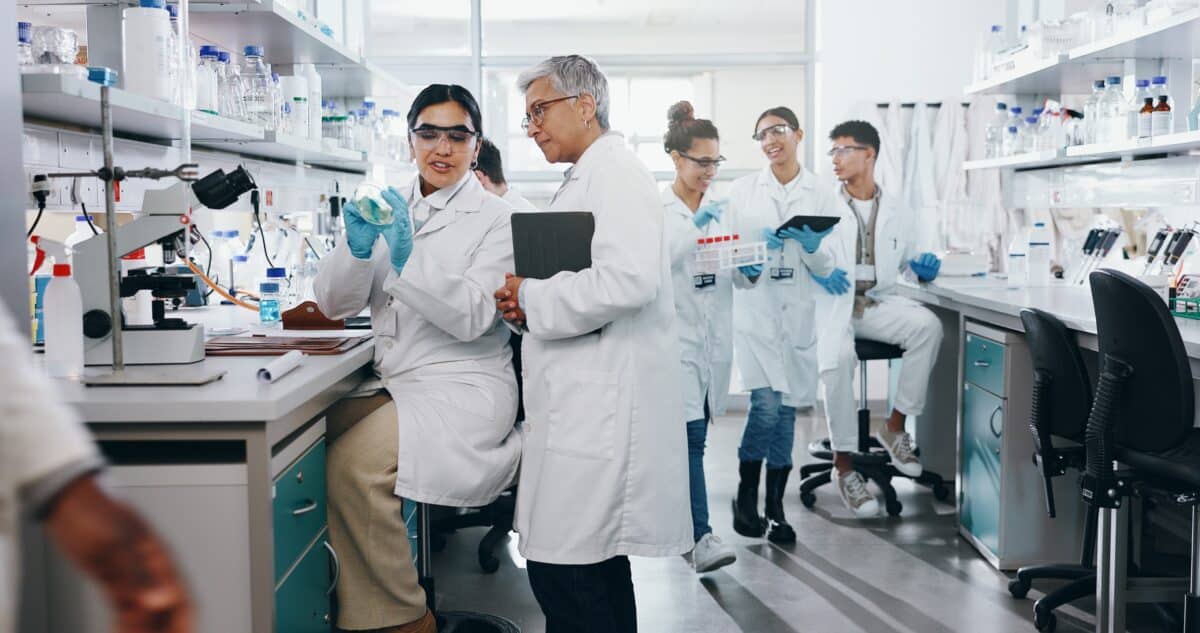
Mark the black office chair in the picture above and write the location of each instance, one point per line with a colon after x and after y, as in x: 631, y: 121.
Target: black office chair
x: 1142, y: 418
x: 1062, y: 399
x: 871, y: 460
x: 499, y: 514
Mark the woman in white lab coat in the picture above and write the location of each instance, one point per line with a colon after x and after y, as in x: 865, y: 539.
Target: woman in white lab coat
x: 604, y: 470
x: 703, y: 306
x: 774, y: 326
x: 443, y: 431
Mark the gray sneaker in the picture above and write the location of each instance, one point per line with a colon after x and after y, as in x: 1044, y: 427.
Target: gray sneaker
x: 852, y: 488
x: 899, y: 447
x: 711, y: 554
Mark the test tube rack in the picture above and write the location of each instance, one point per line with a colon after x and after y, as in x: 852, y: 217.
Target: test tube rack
x: 723, y: 252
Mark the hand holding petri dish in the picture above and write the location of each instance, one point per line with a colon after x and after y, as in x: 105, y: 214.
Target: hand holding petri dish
x: 368, y: 197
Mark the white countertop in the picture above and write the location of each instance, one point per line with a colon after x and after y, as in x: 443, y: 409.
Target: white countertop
x: 237, y: 397
x: 1070, y: 303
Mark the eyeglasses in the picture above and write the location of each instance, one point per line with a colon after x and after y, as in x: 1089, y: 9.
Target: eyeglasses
x: 537, y: 112
x: 431, y: 136
x: 775, y: 131
x: 842, y: 151
x: 705, y: 163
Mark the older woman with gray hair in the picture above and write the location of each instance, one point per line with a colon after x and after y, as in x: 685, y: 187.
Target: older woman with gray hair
x: 604, y: 470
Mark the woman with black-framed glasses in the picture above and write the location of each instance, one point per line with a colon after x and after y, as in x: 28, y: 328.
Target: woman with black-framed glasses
x: 439, y: 428
x: 703, y: 305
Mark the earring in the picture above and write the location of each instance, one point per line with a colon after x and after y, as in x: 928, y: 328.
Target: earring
x: 587, y: 124
x: 474, y: 165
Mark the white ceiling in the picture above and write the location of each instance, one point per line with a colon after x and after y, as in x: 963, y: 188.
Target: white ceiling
x: 648, y: 12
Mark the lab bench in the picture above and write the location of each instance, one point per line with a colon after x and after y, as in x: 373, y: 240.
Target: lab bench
x: 232, y: 475
x: 984, y: 376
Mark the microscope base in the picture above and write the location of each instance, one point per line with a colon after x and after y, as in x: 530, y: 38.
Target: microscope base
x: 150, y: 347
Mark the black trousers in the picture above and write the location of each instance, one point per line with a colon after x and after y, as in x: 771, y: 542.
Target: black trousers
x: 596, y: 598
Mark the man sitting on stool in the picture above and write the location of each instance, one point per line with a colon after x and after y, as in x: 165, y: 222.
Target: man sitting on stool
x: 883, y: 247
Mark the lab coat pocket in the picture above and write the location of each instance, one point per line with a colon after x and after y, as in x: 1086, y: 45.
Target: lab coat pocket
x: 583, y: 414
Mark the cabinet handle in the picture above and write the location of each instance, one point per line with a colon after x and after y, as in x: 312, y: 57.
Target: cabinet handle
x: 312, y: 505
x: 982, y: 363
x: 337, y: 567
x: 992, y: 422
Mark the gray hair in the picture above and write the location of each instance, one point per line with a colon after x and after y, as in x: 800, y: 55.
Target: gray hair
x: 572, y: 75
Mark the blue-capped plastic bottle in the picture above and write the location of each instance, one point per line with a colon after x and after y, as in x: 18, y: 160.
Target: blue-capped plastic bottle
x: 259, y: 97
x: 270, y: 298
x: 24, y: 44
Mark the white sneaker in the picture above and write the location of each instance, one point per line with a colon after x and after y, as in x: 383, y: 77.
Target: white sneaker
x: 852, y: 488
x: 899, y: 447
x: 711, y: 554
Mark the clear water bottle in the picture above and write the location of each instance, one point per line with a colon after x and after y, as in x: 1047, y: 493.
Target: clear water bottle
x: 270, y: 298
x: 1039, y: 130
x: 232, y: 90
x: 278, y: 108
x: 985, y: 58
x: 993, y: 133
x: 1011, y: 144
x: 24, y: 44
x: 1112, y: 125
x: 1133, y: 108
x: 1039, y: 255
x: 63, y: 310
x: 1194, y: 115
x: 1091, y: 112
x: 1028, y: 135
x: 1016, y: 116
x: 208, y: 81
x: 1163, y: 119
x: 1018, y: 260
x: 259, y: 97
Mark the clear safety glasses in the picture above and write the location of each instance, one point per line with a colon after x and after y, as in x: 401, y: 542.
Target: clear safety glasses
x: 459, y: 137
x: 774, y: 132
x: 842, y: 151
x: 705, y: 163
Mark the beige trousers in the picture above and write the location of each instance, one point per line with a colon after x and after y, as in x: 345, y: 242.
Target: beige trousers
x: 378, y: 586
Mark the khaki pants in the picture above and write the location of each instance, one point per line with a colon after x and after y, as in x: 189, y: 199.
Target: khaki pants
x: 378, y: 586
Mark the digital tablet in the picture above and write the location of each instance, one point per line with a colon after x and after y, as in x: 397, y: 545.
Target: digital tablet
x: 817, y: 223
x: 549, y: 242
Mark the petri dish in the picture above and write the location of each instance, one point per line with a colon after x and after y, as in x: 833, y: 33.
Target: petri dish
x: 368, y: 197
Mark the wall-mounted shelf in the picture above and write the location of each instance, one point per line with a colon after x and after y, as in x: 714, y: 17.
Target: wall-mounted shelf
x: 292, y: 149
x: 286, y: 38
x: 1180, y: 143
x: 1176, y: 37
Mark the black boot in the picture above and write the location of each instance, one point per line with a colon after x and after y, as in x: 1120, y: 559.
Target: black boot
x: 746, y: 520
x: 780, y: 532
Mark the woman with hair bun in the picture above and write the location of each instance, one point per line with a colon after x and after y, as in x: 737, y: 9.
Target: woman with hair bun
x: 703, y: 305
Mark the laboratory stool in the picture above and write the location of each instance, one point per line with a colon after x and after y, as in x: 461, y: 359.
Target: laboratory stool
x: 1062, y: 399
x: 1140, y: 442
x: 498, y: 516
x: 870, y: 460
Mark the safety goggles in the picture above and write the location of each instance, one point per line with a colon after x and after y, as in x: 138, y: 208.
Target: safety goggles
x: 842, y: 151
x: 537, y: 112
x: 774, y: 131
x: 705, y: 163
x: 430, y: 136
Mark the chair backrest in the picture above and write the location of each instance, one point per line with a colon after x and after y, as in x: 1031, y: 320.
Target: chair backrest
x: 1056, y: 354
x: 1156, y: 405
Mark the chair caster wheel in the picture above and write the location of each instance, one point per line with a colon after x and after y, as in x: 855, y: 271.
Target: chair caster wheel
x: 1018, y: 588
x: 489, y: 564
x: 941, y: 492
x: 1046, y: 621
x: 808, y: 499
x: 894, y: 508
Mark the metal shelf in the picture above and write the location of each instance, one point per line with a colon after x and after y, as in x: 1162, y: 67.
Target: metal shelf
x: 73, y: 101
x: 1177, y: 37
x: 290, y: 148
x: 286, y: 38
x: 1181, y: 143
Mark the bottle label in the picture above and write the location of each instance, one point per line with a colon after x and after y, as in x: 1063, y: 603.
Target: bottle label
x: 1144, y: 126
x: 1162, y: 123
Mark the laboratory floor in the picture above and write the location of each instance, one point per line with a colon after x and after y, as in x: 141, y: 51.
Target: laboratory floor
x: 911, y: 574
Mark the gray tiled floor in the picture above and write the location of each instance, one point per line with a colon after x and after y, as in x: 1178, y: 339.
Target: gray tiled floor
x: 906, y: 575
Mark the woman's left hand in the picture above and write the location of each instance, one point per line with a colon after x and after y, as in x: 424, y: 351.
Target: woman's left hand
x: 399, y: 234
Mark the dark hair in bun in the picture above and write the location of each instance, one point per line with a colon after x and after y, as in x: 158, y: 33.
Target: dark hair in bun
x: 683, y: 127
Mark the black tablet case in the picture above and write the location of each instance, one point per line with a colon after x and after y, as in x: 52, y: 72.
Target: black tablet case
x: 549, y: 242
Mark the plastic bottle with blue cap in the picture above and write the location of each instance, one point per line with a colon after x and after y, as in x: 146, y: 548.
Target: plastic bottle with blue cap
x: 147, y: 40
x: 24, y: 44
x: 270, y: 298
x: 1039, y: 255
x: 259, y: 88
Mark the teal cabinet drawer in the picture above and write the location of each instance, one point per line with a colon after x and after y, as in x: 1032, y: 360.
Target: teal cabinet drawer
x: 303, y: 603
x: 299, y: 507
x: 984, y: 359
x: 979, y: 502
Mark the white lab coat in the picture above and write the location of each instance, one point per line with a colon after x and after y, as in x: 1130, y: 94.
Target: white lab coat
x: 704, y: 316
x: 920, y: 189
x: 517, y: 201
x: 441, y: 348
x: 604, y: 470
x: 43, y: 447
x: 775, y: 334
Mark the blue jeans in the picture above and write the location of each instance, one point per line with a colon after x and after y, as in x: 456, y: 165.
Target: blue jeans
x: 697, y: 433
x: 770, y: 430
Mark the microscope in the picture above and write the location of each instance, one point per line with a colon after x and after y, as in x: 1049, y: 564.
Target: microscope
x: 164, y: 221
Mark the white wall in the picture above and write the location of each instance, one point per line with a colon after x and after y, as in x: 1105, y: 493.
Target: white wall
x: 883, y: 50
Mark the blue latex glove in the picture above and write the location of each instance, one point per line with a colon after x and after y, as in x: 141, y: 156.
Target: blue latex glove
x: 707, y: 213
x: 399, y: 234
x: 835, y: 284
x: 774, y: 242
x: 926, y: 266
x: 360, y: 234
x: 752, y: 271
x: 809, y: 239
